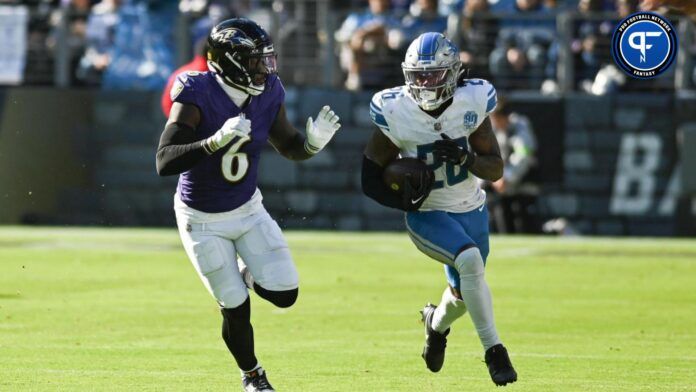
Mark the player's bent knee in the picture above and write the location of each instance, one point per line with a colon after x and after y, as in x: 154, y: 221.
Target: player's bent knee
x: 281, y: 299
x: 286, y: 299
x: 279, y: 274
x: 469, y: 265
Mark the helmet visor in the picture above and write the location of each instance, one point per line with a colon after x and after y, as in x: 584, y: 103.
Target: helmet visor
x: 426, y: 78
x: 262, y: 66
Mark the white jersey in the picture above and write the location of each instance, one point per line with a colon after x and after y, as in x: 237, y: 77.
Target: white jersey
x: 414, y: 132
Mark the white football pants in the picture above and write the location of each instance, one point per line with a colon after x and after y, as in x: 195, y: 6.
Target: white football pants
x: 213, y: 240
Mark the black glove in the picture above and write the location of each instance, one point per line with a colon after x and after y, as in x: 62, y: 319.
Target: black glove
x: 447, y: 150
x: 414, y: 196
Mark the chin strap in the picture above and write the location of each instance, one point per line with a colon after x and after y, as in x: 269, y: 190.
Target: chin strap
x: 247, y: 89
x: 254, y: 90
x: 436, y: 105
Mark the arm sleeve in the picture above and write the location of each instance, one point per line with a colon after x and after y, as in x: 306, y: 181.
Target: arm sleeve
x: 374, y: 187
x: 178, y: 150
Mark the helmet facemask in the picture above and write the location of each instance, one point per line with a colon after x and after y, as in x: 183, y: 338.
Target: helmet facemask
x: 247, y: 72
x: 259, y: 67
x: 431, y: 87
x: 431, y: 68
x: 242, y: 55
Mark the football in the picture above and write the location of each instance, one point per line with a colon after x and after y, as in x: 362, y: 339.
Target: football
x: 395, y: 173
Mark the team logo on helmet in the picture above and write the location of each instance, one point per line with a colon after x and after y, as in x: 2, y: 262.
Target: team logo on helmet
x: 644, y: 45
x: 241, y: 53
x: 233, y: 36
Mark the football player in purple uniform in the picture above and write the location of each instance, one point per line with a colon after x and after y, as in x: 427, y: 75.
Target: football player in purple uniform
x: 219, y: 123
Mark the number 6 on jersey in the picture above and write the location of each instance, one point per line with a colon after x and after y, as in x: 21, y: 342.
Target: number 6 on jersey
x: 236, y: 164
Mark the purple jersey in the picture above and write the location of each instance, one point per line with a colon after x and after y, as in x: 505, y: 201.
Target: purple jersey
x: 226, y: 179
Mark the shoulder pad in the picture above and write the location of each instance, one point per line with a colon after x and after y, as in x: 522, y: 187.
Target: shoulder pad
x: 378, y: 105
x: 377, y: 110
x: 184, y: 87
x: 483, y: 92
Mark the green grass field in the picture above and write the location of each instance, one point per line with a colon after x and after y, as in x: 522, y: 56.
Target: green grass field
x: 123, y: 310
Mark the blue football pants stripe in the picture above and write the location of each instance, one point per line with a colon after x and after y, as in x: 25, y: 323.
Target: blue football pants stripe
x: 448, y: 257
x: 433, y: 253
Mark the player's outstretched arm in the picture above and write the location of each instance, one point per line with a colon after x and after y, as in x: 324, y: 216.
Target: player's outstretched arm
x: 488, y: 163
x: 287, y: 140
x: 292, y: 144
x: 380, y: 151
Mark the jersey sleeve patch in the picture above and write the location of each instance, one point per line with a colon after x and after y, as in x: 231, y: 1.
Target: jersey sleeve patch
x: 183, y: 90
x: 176, y: 89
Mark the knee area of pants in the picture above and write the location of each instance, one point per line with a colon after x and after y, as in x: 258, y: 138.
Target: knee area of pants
x: 469, y: 262
x: 282, y: 299
x: 287, y: 300
x: 231, y: 301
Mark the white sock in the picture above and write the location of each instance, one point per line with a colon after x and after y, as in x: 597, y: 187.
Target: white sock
x: 257, y: 367
x: 449, y: 309
x: 477, y: 296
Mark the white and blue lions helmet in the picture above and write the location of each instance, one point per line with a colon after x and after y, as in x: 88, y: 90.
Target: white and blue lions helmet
x: 431, y: 69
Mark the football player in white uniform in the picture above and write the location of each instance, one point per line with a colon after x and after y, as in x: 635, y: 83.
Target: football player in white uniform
x: 442, y: 119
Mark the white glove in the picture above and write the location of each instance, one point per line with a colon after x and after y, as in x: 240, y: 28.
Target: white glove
x: 235, y: 126
x: 321, y: 130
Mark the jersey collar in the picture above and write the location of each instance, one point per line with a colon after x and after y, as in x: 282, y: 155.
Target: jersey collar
x: 239, y: 97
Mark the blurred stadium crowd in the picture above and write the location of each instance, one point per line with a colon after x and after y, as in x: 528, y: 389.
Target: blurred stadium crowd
x: 584, y: 152
x: 545, y: 45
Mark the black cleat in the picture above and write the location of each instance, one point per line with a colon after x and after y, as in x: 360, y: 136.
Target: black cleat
x: 435, y: 342
x: 256, y: 381
x: 499, y: 365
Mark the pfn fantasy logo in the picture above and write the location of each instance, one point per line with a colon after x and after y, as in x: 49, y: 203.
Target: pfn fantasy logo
x: 644, y: 45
